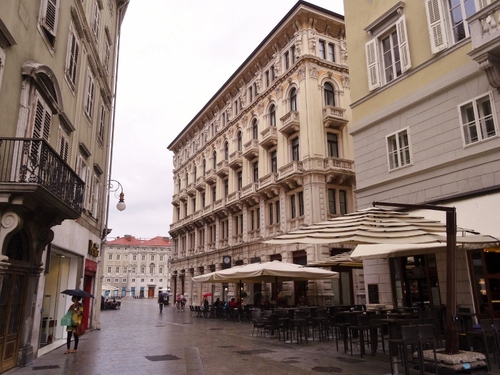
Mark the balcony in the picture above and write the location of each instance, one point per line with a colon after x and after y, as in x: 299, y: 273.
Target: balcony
x: 290, y: 123
x: 291, y: 175
x: 190, y: 189
x: 210, y: 177
x: 200, y: 183
x: 249, y: 193
x: 31, y: 168
x: 236, y: 160
x: 485, y: 37
x: 251, y: 149
x: 334, y: 117
x: 222, y: 168
x: 269, y: 137
x: 269, y: 179
x: 339, y: 171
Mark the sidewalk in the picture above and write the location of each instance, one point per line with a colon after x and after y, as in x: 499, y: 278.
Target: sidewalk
x: 138, y: 340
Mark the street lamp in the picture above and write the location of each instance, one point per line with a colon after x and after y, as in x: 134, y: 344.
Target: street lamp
x: 114, y: 186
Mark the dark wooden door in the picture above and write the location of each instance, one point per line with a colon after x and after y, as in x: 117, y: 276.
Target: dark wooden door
x: 11, y: 308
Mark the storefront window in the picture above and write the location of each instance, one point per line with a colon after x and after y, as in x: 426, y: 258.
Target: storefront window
x: 415, y: 281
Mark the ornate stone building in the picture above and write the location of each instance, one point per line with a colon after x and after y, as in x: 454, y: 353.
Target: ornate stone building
x: 58, y: 62
x: 269, y: 152
x: 136, y: 267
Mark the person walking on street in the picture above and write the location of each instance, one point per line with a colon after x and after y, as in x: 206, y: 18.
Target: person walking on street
x: 160, y: 301
x: 76, y: 311
x: 167, y: 297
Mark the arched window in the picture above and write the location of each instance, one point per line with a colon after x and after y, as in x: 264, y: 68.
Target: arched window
x: 293, y: 99
x: 226, y: 150
x: 214, y: 160
x: 194, y: 173
x: 255, y: 129
x: 272, y: 115
x: 240, y: 141
x: 152, y: 268
x: 204, y: 166
x: 329, y: 95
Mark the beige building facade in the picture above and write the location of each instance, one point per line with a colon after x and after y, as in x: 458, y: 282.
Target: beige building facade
x: 425, y: 108
x: 58, y: 64
x: 135, y: 267
x: 270, y: 152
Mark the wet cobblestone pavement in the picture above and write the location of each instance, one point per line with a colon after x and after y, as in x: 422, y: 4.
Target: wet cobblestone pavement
x: 138, y: 340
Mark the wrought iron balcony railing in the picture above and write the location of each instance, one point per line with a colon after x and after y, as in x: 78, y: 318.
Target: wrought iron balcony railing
x: 34, y: 161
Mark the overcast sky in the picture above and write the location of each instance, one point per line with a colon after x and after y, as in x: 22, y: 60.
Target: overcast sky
x: 174, y: 56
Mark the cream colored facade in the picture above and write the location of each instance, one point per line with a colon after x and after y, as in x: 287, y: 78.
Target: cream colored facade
x: 269, y: 153
x: 425, y: 109
x: 137, y: 267
x: 58, y: 63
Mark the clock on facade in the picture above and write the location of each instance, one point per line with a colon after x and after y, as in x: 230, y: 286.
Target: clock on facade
x: 226, y: 259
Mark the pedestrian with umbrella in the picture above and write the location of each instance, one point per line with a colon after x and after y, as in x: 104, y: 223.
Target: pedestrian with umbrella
x: 75, y: 311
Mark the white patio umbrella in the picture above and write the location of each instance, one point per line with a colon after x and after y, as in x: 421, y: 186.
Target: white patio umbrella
x: 380, y: 226
x: 274, y: 271
x: 111, y: 288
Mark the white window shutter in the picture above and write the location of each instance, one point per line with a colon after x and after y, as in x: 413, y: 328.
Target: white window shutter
x: 436, y: 24
x: 88, y: 189
x: 50, y: 16
x: 372, y: 64
x: 404, y: 50
x: 63, y: 146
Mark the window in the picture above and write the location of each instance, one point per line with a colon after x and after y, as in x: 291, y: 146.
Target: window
x: 49, y: 13
x: 109, y: 269
x: 329, y: 94
x: 287, y: 60
x: 214, y: 160
x: 331, y: 202
x: 293, y: 99
x: 240, y: 180
x: 42, y: 119
x: 332, y: 145
x: 295, y: 149
x: 226, y: 150
x: 108, y: 280
x: 250, y: 94
x: 477, y: 119
x: 204, y: 167
x: 134, y: 257
x: 255, y: 167
x: 161, y: 257
x: 152, y: 257
x: 293, y: 54
x: 89, y: 98
x: 110, y: 256
x: 239, y: 140
x: 117, y: 269
x: 343, y: 202
x: 271, y: 214
x: 301, y: 203
x: 293, y: 207
x: 387, y: 55
x: 274, y: 161
x: 226, y: 187
x: 277, y: 209
x: 266, y: 77
x: 102, y: 122
x: 124, y: 280
x: 255, y: 129
x: 331, y: 52
x: 272, y: 115
x: 63, y: 146
x: 214, y: 194
x: 116, y: 280
x: 143, y: 269
x: 117, y: 256
x: 398, y: 149
x: 72, y: 58
x: 447, y: 20
x: 144, y: 257
x: 321, y: 49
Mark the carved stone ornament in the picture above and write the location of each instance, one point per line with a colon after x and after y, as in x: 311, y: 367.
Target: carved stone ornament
x: 313, y: 72
x: 312, y: 40
x: 298, y: 43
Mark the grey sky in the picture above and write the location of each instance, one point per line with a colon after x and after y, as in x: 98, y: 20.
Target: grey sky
x: 174, y: 56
